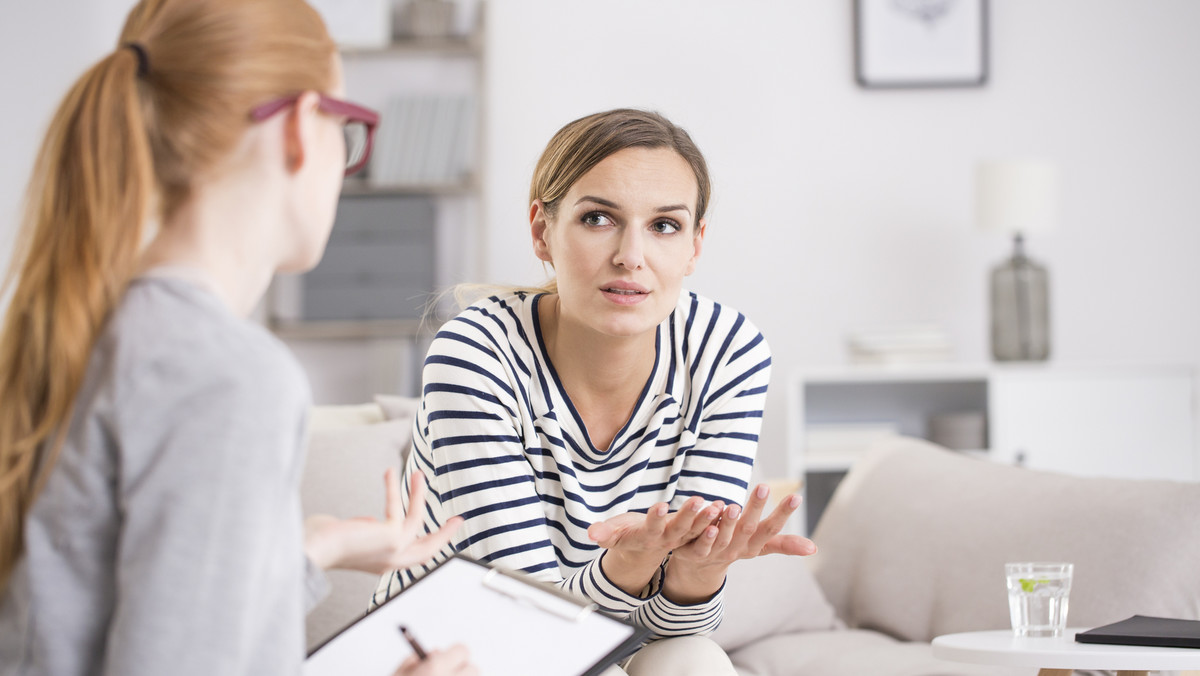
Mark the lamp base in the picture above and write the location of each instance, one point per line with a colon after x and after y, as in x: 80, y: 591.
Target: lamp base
x: 1020, y: 299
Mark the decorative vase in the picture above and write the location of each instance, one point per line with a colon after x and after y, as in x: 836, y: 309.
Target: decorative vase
x: 1020, y: 300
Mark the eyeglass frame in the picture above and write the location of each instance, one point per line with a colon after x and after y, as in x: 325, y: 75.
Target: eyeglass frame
x: 351, y: 111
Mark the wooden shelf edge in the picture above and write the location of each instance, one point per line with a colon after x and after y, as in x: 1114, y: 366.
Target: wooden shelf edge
x: 454, y: 45
x: 358, y: 188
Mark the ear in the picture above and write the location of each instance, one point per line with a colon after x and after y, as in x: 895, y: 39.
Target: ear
x: 539, y: 229
x: 299, y: 128
x: 697, y: 245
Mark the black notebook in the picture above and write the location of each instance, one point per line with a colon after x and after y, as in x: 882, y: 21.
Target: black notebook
x: 1141, y: 630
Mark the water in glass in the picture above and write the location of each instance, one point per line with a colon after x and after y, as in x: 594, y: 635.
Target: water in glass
x: 1037, y: 601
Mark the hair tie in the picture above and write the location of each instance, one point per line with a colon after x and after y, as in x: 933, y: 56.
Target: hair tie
x: 142, y: 57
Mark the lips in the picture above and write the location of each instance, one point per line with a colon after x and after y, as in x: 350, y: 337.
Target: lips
x: 625, y: 288
x: 625, y: 293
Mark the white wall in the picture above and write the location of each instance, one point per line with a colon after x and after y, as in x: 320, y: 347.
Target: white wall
x: 839, y: 207
x: 44, y: 47
x: 835, y: 207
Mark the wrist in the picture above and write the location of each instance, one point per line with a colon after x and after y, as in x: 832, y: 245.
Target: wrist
x: 689, y: 584
x: 320, y: 546
x: 631, y: 571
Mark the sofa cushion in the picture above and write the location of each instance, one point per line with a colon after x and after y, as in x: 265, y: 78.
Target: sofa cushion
x: 915, y: 540
x: 349, y: 449
x: 396, y: 407
x: 768, y: 595
x: 852, y: 652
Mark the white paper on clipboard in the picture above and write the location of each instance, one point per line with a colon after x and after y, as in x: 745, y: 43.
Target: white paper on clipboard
x: 510, y: 626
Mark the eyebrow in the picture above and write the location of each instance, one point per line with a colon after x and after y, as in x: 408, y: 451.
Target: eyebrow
x: 613, y: 205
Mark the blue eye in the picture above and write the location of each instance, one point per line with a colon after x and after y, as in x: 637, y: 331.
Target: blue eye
x: 666, y: 227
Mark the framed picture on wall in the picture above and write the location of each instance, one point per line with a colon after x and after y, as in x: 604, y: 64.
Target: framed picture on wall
x: 920, y: 43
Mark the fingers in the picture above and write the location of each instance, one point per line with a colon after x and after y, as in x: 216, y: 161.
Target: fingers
x: 393, y: 506
x: 791, y: 545
x: 454, y: 661
x: 686, y: 524
x: 709, y: 518
x: 609, y: 532
x: 422, y: 549
x: 772, y: 525
x: 749, y: 518
x: 657, y: 519
x: 728, y: 526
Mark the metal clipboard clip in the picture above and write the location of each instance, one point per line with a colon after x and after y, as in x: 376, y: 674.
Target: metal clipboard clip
x: 559, y: 602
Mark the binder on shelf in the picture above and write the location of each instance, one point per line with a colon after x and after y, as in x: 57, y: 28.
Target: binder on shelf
x: 509, y: 623
x: 1163, y: 632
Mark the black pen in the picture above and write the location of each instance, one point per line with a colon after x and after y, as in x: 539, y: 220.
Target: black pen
x: 413, y: 642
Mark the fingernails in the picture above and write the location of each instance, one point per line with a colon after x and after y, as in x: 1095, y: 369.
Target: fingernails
x: 661, y: 510
x: 710, y: 532
x: 695, y: 506
x: 734, y: 512
x: 793, y: 501
x: 762, y: 491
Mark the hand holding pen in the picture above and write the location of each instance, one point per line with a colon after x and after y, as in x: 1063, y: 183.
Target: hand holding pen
x: 453, y: 661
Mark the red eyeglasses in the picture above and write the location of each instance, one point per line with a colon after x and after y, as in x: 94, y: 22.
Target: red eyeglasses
x: 358, y: 129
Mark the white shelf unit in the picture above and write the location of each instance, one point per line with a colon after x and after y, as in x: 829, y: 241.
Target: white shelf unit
x: 1129, y: 421
x: 348, y: 358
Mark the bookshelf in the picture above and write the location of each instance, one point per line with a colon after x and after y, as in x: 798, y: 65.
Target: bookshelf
x: 405, y: 229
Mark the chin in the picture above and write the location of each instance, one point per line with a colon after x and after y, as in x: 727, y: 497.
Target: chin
x: 632, y: 324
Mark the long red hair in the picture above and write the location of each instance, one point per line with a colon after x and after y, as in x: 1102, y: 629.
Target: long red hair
x: 123, y: 152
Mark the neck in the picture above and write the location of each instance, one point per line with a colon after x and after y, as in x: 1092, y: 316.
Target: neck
x: 224, y: 234
x: 594, y: 367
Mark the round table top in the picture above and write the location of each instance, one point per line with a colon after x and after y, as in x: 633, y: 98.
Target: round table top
x: 1001, y: 648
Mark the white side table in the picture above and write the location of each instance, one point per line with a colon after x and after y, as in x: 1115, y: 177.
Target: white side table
x: 1061, y: 655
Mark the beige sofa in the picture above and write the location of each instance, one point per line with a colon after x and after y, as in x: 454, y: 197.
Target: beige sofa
x: 911, y: 546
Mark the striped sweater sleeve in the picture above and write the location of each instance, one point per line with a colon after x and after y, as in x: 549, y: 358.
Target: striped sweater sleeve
x: 469, y: 445
x: 726, y: 418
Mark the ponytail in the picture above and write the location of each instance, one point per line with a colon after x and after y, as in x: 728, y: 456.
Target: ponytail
x: 125, y: 149
x: 85, y: 209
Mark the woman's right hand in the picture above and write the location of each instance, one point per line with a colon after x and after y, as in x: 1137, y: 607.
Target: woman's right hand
x: 454, y: 661
x: 637, y: 543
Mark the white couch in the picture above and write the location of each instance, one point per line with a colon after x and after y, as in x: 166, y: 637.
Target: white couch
x: 911, y: 546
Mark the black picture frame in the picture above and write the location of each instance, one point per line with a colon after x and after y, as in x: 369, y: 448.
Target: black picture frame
x: 919, y: 44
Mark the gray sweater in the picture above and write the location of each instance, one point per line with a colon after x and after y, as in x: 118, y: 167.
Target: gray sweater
x: 168, y: 539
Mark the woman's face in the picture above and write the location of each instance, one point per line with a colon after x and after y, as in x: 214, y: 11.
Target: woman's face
x: 623, y: 238
x: 319, y: 183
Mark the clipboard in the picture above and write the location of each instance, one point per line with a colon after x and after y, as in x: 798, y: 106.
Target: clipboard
x: 510, y: 623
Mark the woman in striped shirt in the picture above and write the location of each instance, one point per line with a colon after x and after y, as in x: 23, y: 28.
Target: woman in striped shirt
x: 599, y: 433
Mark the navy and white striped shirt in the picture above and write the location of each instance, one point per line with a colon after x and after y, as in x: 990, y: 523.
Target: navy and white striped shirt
x: 503, y: 447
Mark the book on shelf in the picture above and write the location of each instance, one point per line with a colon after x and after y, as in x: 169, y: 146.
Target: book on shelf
x: 904, y: 344
x: 424, y: 140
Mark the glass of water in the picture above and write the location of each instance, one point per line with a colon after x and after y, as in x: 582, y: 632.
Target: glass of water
x: 1037, y: 597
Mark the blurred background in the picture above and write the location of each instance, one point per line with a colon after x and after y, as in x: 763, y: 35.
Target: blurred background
x: 841, y: 212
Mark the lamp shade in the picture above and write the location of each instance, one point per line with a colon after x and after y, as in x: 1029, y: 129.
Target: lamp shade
x: 1016, y: 196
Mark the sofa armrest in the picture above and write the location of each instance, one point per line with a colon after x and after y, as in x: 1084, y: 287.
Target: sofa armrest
x: 915, y: 539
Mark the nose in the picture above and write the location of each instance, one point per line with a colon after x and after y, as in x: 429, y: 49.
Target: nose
x: 630, y: 253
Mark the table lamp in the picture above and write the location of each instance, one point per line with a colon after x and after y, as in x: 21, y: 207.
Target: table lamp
x: 1018, y: 197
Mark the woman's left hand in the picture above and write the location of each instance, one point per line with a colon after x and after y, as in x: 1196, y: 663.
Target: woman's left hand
x: 375, y: 546
x: 697, y: 570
